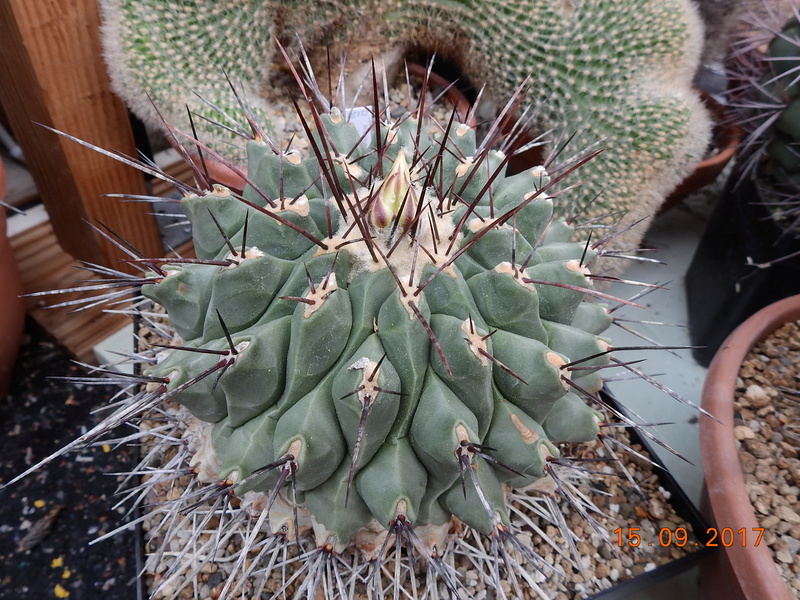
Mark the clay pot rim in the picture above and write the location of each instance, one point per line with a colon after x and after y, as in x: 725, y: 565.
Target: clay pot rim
x: 455, y: 96
x: 725, y: 485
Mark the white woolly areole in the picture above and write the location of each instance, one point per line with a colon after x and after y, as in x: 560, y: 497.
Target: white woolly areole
x: 297, y: 205
x: 475, y: 341
x: 197, y: 437
x: 321, y: 293
x: 237, y: 259
x: 361, y: 363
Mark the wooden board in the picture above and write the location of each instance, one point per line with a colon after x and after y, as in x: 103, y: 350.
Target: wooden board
x: 46, y: 266
x: 54, y: 75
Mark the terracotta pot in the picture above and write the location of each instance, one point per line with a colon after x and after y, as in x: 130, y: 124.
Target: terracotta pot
x: 12, y: 308
x: 454, y: 96
x: 739, y: 571
x: 217, y: 172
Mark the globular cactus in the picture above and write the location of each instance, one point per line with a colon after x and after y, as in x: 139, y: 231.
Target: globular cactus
x: 385, y: 339
x: 766, y: 104
x: 391, y: 325
x: 613, y: 73
x: 780, y: 84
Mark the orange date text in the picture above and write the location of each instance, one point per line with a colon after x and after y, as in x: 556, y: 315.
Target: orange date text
x: 727, y: 537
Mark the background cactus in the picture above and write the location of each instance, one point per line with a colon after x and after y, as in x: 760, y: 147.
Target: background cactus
x: 616, y: 74
x: 766, y: 101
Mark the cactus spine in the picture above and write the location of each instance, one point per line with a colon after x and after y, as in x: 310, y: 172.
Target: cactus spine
x: 766, y: 102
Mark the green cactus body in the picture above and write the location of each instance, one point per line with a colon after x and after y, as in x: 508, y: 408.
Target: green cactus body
x: 360, y: 359
x: 384, y: 337
x: 779, y: 88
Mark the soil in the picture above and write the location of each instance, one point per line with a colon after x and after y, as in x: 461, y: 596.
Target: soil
x: 48, y: 519
x: 767, y: 425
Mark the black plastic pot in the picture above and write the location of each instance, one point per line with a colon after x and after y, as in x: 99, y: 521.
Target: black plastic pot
x: 724, y: 284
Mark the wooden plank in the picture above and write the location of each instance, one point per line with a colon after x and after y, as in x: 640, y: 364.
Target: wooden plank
x: 45, y: 266
x: 51, y: 52
x: 38, y: 252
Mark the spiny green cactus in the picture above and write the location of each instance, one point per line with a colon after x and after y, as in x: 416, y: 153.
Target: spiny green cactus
x: 391, y: 325
x: 781, y: 83
x: 766, y: 102
x: 386, y: 340
x: 617, y: 74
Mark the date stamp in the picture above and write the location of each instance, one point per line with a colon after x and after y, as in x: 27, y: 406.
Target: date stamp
x: 679, y: 537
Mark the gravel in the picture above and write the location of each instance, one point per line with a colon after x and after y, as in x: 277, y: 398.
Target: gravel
x: 767, y: 425
x: 48, y: 519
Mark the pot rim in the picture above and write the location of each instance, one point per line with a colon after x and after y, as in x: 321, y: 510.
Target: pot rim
x: 725, y: 485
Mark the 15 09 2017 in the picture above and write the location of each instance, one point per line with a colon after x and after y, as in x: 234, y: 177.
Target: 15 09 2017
x: 727, y: 537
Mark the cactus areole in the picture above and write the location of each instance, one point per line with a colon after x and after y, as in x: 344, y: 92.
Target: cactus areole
x: 396, y: 329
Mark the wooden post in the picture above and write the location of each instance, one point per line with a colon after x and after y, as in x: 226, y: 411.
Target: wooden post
x: 52, y: 72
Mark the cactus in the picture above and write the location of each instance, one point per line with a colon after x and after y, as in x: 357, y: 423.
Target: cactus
x: 384, y: 339
x: 766, y: 103
x: 616, y: 74
x: 369, y: 321
x: 375, y: 341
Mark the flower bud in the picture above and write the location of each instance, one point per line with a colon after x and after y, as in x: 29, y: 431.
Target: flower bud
x: 395, y: 198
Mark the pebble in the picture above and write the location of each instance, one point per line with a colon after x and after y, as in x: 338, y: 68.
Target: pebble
x: 748, y: 462
x: 792, y: 545
x: 602, y: 570
x: 757, y: 396
x: 757, y: 448
x: 763, y: 472
x: 787, y: 514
